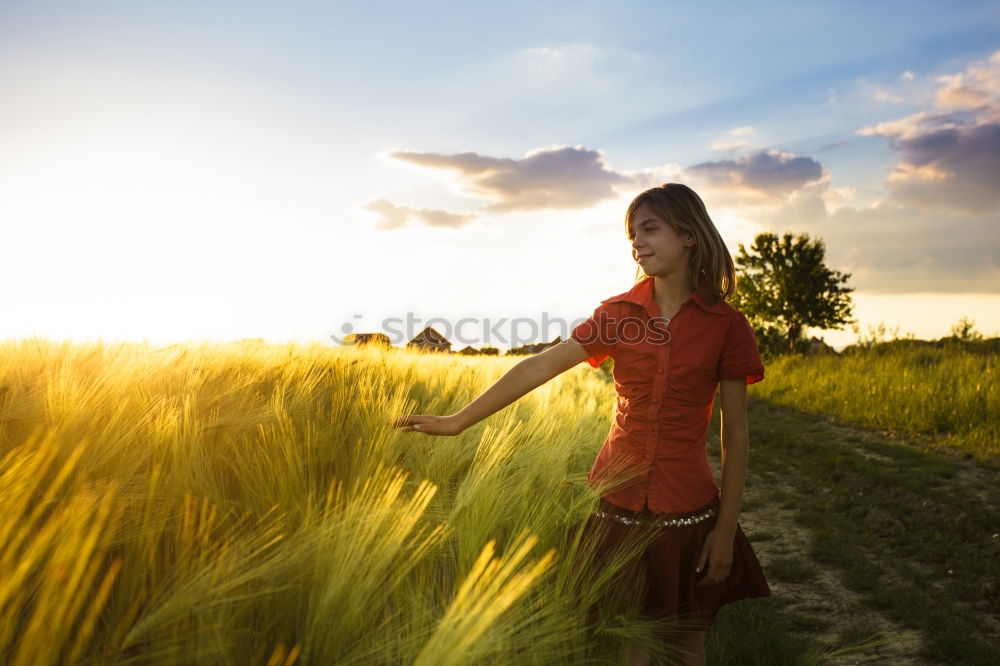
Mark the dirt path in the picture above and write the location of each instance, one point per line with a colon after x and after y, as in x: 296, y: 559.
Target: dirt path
x: 823, y: 595
x: 832, y: 614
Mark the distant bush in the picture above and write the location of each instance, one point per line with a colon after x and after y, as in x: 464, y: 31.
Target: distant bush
x: 981, y: 346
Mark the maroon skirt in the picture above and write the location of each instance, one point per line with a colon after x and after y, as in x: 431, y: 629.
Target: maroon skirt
x: 660, y: 576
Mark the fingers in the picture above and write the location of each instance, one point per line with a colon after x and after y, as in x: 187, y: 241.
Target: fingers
x: 408, y: 420
x: 405, y: 422
x: 718, y: 565
x: 430, y: 425
x: 702, y: 558
x: 722, y: 572
x: 717, y: 572
x: 413, y: 422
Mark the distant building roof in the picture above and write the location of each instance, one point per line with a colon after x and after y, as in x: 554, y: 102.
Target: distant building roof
x: 368, y: 338
x: 429, y: 340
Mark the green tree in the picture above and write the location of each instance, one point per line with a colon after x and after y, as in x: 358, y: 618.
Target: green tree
x: 784, y: 286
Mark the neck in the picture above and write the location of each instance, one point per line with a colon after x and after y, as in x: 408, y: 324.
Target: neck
x: 673, y: 290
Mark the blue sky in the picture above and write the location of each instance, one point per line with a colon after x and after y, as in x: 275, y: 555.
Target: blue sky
x: 221, y: 170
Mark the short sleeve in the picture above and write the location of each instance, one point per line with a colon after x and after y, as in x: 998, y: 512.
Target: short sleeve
x: 598, y: 334
x: 740, y: 357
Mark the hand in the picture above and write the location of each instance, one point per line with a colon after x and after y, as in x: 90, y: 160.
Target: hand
x: 717, y: 552
x: 429, y: 425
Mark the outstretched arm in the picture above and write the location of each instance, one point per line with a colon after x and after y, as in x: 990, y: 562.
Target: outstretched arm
x: 527, y: 375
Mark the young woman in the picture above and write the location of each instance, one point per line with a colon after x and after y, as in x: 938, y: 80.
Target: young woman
x: 674, y: 341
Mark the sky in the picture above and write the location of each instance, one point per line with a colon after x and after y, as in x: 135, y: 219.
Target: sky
x: 297, y: 171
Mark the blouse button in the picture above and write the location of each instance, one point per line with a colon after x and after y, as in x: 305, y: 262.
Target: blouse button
x: 659, y: 370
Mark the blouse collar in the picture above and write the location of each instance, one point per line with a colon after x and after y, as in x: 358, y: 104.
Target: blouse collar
x: 642, y: 294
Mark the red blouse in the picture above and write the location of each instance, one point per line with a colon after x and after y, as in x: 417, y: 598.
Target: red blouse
x: 666, y: 375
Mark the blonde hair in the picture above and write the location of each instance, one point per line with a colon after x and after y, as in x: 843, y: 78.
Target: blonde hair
x: 711, y: 268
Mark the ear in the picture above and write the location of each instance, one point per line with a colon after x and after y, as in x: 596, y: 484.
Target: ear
x: 688, y: 241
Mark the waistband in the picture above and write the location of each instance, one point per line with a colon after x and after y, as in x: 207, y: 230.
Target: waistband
x: 617, y: 514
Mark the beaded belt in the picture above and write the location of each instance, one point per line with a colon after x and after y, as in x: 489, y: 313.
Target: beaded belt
x: 670, y: 522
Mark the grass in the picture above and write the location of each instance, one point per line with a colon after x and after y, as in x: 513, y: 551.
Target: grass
x: 938, y: 395
x: 791, y: 569
x: 756, y: 631
x: 911, y: 531
x: 251, y: 503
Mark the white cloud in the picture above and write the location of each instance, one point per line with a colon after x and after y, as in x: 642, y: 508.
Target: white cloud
x: 937, y: 231
x: 831, y: 146
x: 949, y: 155
x: 549, y: 178
x: 732, y: 142
x: 580, y: 53
x: 890, y: 93
x: 729, y: 144
x: 885, y: 96
x: 890, y: 247
x: 575, y: 178
x: 768, y: 173
x: 393, y: 216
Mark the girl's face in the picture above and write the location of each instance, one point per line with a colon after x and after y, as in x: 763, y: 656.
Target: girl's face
x: 656, y: 246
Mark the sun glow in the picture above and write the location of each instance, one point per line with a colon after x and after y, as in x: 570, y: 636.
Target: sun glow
x: 140, y: 214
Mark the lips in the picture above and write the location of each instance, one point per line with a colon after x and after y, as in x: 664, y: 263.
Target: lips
x: 642, y: 256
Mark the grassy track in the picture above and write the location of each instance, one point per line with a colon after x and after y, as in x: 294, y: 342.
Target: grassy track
x: 912, y: 537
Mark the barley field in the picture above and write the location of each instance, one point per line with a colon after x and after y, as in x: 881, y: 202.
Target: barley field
x: 247, y: 503
x: 250, y: 503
